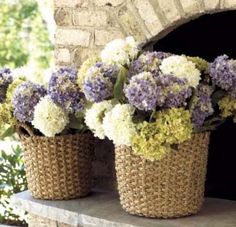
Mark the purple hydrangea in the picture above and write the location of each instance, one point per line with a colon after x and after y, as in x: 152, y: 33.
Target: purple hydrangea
x: 223, y: 72
x: 25, y: 98
x: 99, y: 82
x: 143, y: 92
x: 5, y: 80
x: 162, y: 55
x: 147, y: 62
x: 175, y: 91
x: 202, y: 105
x: 64, y: 90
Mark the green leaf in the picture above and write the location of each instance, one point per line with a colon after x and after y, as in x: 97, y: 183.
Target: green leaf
x: 9, y: 132
x: 119, y: 85
x: 217, y: 96
x: 77, y: 123
x: 190, y: 104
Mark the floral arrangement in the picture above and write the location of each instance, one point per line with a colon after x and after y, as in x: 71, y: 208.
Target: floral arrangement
x: 56, y: 108
x: 153, y: 101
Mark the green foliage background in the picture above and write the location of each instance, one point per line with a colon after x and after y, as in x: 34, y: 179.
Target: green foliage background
x: 23, y: 35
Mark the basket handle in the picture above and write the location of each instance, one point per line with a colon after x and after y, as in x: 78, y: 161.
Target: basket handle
x: 24, y: 130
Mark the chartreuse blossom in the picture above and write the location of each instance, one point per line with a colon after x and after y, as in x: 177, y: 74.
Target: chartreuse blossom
x: 49, y: 118
x: 175, y: 124
x: 180, y: 67
x: 118, y: 124
x: 94, y: 117
x: 12, y: 87
x: 84, y: 70
x: 6, y: 108
x: 201, y: 64
x: 153, y: 140
x: 6, y: 114
x: 228, y: 107
x: 149, y: 142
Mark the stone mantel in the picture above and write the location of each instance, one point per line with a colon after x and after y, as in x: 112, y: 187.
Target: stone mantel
x: 102, y: 209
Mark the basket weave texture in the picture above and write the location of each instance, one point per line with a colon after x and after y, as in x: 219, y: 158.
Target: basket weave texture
x: 57, y: 168
x: 171, y: 187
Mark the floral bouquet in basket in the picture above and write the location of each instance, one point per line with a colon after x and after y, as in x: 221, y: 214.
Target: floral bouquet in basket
x: 55, y: 108
x: 151, y: 101
x: 158, y: 109
x: 49, y: 120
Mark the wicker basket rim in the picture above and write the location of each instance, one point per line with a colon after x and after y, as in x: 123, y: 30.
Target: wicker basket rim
x: 59, y: 137
x: 31, y: 134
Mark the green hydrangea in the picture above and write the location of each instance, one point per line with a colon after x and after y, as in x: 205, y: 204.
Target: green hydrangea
x: 6, y: 114
x: 6, y: 109
x: 153, y: 140
x: 149, y: 142
x: 11, y: 88
x: 175, y: 124
x: 227, y: 106
x: 201, y: 64
x: 84, y: 68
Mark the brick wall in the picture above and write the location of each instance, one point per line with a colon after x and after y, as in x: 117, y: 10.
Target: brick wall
x: 85, y: 26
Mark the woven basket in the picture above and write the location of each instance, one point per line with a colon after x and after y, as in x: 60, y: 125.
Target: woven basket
x: 57, y: 168
x: 171, y: 187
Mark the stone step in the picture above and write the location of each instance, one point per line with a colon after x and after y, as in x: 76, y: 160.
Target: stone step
x: 102, y: 209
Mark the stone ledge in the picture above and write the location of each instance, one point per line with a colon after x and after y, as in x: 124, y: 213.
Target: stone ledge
x: 102, y: 209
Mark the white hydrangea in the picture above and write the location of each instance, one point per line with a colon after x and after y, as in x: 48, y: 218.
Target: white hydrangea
x: 118, y: 125
x: 94, y: 117
x: 49, y: 118
x: 120, y: 51
x: 180, y: 67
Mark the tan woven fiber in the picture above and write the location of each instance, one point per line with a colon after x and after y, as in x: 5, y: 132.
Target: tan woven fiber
x: 171, y: 187
x: 58, y: 167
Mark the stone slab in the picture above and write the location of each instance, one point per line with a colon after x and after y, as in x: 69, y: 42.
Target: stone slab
x: 102, y: 209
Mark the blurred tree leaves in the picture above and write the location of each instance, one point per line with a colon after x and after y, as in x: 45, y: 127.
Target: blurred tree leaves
x: 23, y: 35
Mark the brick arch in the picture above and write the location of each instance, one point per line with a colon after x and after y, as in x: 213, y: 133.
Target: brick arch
x: 85, y: 26
x: 156, y: 18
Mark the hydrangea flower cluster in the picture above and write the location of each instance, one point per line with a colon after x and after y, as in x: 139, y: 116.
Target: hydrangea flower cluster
x: 143, y: 92
x: 49, y: 118
x: 99, y: 82
x: 180, y: 67
x: 227, y: 106
x: 120, y: 52
x: 64, y: 90
x: 223, y: 73
x: 146, y: 92
x: 94, y: 117
x: 148, y: 62
x: 118, y: 124
x: 202, y: 106
x: 153, y: 140
x: 5, y: 80
x: 84, y: 70
x: 24, y: 99
x: 175, y: 91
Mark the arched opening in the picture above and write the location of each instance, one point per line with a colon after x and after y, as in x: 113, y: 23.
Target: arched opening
x: 208, y: 37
